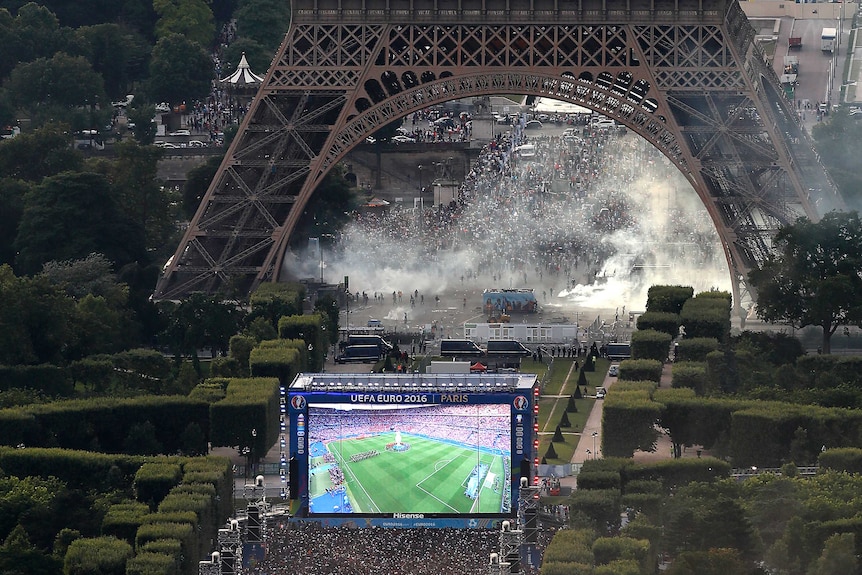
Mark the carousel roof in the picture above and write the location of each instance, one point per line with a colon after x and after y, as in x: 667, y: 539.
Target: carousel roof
x: 243, y: 76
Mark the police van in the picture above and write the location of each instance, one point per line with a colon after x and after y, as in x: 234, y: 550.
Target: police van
x: 507, y: 347
x: 359, y: 353
x: 460, y: 348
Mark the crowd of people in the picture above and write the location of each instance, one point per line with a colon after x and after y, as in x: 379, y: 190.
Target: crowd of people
x: 311, y: 549
x: 556, y: 219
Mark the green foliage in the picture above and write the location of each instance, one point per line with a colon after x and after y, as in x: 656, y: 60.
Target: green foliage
x: 240, y: 350
x: 813, y: 279
x: 123, y: 519
x: 180, y: 70
x: 150, y: 563
x: 601, y: 507
x: 608, y: 549
x: 78, y: 469
x: 72, y: 215
x: 847, y: 459
x: 662, y: 321
x: 668, y: 299
x: 209, y: 391
x: 97, y: 556
x: 108, y: 422
x: 839, y: 556
x: 192, y: 19
x: 312, y: 331
x: 153, y: 481
x: 248, y: 404
x: 61, y: 87
x: 707, y: 316
x: 197, y: 181
x: 641, y: 370
x: 628, y: 423
x: 674, y: 473
x: 650, y: 344
x: 276, y: 300
x: 327, y: 306
x: 570, y: 546
x: 599, y: 480
x: 775, y: 347
x: 276, y: 358
x: 263, y: 21
x: 691, y: 375
x: 695, y: 348
x: 50, y: 380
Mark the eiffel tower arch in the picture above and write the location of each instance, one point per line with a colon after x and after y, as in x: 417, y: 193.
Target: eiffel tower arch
x: 686, y: 75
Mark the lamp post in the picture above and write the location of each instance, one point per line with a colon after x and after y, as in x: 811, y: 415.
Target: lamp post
x: 595, y: 435
x: 249, y: 453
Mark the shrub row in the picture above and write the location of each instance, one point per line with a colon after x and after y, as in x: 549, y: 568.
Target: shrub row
x: 105, y: 424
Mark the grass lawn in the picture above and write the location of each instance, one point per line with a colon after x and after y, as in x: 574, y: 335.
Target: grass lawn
x: 555, y: 398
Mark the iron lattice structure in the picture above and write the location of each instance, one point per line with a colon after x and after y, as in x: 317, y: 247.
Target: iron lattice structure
x: 686, y: 75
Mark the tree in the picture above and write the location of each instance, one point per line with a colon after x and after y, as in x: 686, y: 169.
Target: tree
x: 813, y: 278
x: 62, y: 87
x: 11, y: 208
x: 141, y: 197
x: 838, y: 558
x: 192, y: 19
x: 263, y: 21
x: 142, y: 116
x: 36, y: 317
x: 72, y: 215
x: 19, y: 557
x: 117, y: 53
x: 35, y: 155
x: 180, y: 70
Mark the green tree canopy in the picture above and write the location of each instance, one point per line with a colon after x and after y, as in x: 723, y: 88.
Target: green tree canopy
x: 116, y: 52
x: 190, y: 18
x: 62, y: 87
x: 38, y: 154
x: 70, y: 216
x: 180, y: 70
x: 813, y: 279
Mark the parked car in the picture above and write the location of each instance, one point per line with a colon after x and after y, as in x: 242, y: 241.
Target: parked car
x: 601, y: 392
x: 399, y: 139
x: 614, y: 370
x: 180, y: 133
x: 533, y: 125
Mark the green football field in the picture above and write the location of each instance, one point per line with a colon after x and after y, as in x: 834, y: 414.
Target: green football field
x: 430, y: 477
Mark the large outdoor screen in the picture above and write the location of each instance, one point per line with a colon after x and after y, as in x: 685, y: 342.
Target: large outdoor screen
x: 423, y: 459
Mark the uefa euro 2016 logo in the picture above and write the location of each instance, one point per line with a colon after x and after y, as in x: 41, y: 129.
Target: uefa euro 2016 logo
x: 520, y: 403
x: 297, y: 402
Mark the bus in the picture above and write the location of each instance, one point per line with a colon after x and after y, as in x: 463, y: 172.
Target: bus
x: 827, y: 39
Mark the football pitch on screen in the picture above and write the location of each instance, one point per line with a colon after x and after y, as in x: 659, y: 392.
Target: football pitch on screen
x: 429, y: 476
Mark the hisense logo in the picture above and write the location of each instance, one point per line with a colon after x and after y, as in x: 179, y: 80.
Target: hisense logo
x: 408, y: 516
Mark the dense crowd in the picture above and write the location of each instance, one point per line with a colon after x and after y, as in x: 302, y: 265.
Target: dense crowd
x: 297, y: 548
x: 562, y: 217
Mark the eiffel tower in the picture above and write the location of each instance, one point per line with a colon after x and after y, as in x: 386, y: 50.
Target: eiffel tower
x: 686, y: 75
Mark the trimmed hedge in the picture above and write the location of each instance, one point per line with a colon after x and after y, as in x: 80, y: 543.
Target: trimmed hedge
x: 104, y: 424
x: 665, y: 322
x: 695, y: 348
x: 650, y: 344
x: 154, y: 480
x: 123, y: 519
x: 628, y: 423
x: 640, y: 370
x: 608, y: 549
x: 707, y: 315
x: 276, y: 358
x: 104, y: 555
x: 149, y: 563
x: 669, y: 299
x: 311, y: 330
x: 249, y: 404
x: 78, y: 469
x: 691, y: 375
x: 847, y: 459
x: 51, y: 380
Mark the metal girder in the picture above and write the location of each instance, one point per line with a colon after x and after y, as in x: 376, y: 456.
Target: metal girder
x: 686, y: 75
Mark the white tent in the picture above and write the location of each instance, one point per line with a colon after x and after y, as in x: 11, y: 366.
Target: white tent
x: 243, y: 76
